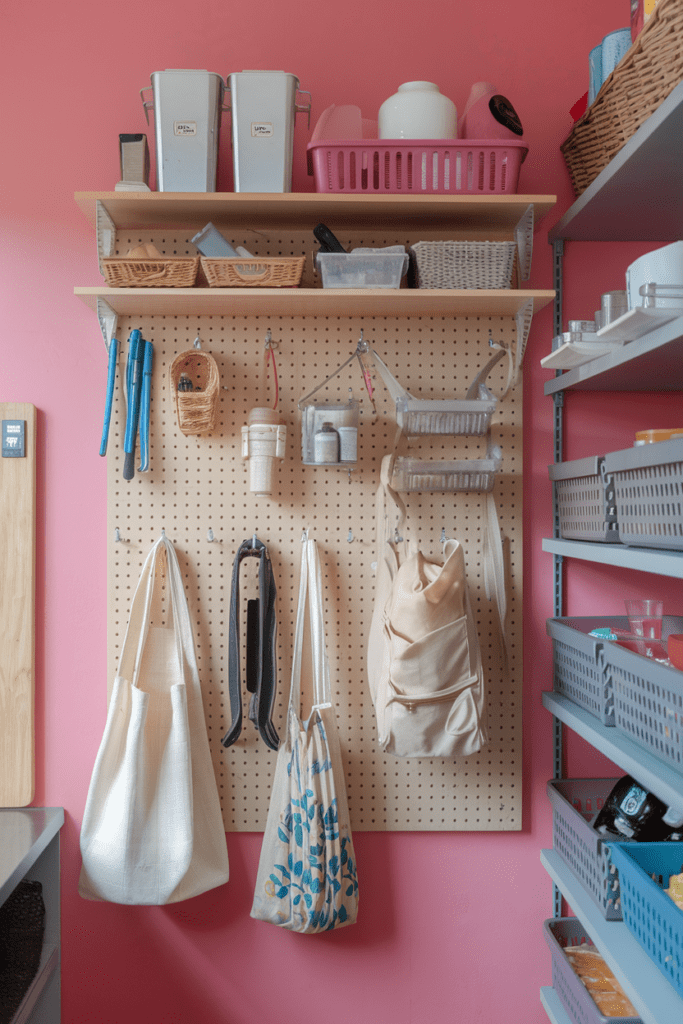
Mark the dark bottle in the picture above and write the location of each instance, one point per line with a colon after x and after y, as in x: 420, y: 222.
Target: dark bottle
x: 631, y: 813
x: 184, y: 383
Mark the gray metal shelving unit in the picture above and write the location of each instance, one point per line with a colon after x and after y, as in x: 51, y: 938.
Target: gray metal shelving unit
x: 638, y: 197
x: 29, y: 848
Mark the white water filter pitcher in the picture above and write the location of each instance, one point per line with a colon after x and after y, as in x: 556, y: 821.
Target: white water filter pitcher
x: 187, y: 110
x: 264, y: 439
x: 263, y: 106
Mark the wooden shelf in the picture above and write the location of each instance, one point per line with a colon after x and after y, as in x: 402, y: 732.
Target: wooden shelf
x: 312, y: 301
x: 279, y: 210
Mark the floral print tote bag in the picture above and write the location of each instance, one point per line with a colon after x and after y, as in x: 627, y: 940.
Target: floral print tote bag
x: 307, y: 870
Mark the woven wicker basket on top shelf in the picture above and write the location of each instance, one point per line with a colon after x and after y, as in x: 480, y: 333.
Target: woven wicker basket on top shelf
x: 642, y: 80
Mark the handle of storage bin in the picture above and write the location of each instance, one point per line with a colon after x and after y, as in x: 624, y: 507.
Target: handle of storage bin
x: 473, y: 390
x: 393, y: 387
x: 255, y: 275
x: 147, y: 104
x: 305, y: 109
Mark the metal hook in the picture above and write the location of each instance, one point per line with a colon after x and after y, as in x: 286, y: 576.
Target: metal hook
x: 304, y: 536
x: 117, y: 536
x: 253, y: 541
x: 444, y: 538
x: 397, y: 536
x: 197, y: 343
x: 350, y: 536
x: 210, y: 537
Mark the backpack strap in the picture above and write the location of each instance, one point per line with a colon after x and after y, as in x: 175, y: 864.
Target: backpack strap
x: 261, y: 638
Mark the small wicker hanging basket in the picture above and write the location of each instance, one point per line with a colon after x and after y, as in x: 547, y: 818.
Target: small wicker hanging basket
x: 196, y: 409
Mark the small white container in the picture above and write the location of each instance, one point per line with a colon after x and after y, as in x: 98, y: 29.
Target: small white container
x: 326, y: 445
x: 418, y: 111
x: 348, y: 444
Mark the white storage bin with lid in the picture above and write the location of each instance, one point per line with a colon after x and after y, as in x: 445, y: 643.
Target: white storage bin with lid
x: 187, y: 111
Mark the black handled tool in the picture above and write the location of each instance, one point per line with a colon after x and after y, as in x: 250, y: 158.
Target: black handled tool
x: 328, y: 241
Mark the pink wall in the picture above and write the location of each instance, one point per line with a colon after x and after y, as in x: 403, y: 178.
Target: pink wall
x: 450, y: 926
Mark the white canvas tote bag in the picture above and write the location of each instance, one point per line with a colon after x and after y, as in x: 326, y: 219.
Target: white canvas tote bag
x: 152, y: 828
x: 306, y: 878
x: 424, y: 662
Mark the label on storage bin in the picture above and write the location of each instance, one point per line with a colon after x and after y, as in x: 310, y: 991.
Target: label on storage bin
x: 262, y: 129
x: 184, y: 127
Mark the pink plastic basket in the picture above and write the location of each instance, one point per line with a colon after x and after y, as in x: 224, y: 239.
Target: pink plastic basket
x: 450, y: 167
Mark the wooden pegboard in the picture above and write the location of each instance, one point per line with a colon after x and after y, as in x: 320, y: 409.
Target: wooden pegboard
x: 200, y: 483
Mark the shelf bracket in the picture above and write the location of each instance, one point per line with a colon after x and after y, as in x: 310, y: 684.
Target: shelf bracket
x: 106, y: 233
x: 524, y: 237
x: 523, y: 318
x: 108, y: 321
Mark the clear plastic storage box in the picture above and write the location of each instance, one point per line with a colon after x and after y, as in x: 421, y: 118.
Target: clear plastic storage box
x: 361, y: 269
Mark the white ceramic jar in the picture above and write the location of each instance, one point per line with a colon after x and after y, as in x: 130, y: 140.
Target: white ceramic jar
x: 418, y: 111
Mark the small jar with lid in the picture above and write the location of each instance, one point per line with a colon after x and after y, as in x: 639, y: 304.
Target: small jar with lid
x: 326, y: 445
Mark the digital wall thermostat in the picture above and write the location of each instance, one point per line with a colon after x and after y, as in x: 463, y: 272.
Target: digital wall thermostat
x: 13, y: 439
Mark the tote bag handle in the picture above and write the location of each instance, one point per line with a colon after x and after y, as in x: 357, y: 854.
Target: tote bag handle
x: 140, y: 615
x: 310, y: 584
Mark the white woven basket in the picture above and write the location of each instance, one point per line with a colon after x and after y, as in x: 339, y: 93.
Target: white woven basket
x: 463, y: 264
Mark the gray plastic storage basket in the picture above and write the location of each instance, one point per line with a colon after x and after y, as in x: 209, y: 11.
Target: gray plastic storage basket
x: 463, y: 264
x: 575, y: 803
x: 648, y: 698
x: 585, y: 500
x: 573, y: 994
x: 579, y: 670
x: 648, y: 491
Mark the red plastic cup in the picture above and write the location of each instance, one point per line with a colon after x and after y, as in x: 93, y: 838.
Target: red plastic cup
x: 674, y: 648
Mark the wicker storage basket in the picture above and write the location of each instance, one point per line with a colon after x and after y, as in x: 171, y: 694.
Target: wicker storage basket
x: 160, y: 272
x: 639, y: 84
x: 196, y: 409
x: 463, y: 264
x: 283, y: 272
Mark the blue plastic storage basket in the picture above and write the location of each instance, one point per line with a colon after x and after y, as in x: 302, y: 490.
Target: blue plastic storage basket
x: 651, y: 915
